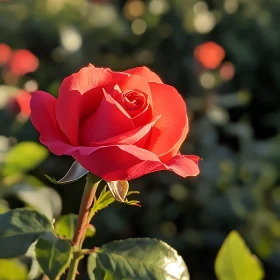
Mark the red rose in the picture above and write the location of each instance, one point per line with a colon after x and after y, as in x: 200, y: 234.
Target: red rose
x: 117, y: 125
x: 209, y: 54
x: 20, y: 104
x: 23, y: 62
x: 23, y: 100
x: 5, y: 53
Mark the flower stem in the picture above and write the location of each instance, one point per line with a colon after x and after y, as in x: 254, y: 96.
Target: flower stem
x: 72, y: 270
x: 87, y: 200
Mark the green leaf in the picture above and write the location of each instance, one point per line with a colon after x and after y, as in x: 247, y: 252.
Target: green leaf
x: 44, y: 200
x: 13, y: 269
x: 52, y: 180
x: 75, y: 172
x: 19, y: 228
x: 105, y: 199
x: 235, y: 261
x: 53, y: 254
x: 35, y: 270
x: 65, y: 227
x: 139, y: 258
x: 94, y: 272
x: 23, y: 157
x: 4, y: 207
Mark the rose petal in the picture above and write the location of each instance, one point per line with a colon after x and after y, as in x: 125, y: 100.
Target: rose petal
x: 93, y: 97
x: 129, y: 162
x: 184, y: 165
x: 80, y: 95
x: 123, y: 166
x: 42, y: 116
x: 108, y: 121
x: 170, y: 130
x: 176, y: 147
x: 145, y: 73
x: 69, y: 103
x: 137, y: 136
x: 135, y: 82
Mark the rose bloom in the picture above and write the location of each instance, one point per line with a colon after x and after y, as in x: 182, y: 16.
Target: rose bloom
x: 5, y: 53
x: 209, y: 54
x: 23, y: 62
x: 20, y: 104
x: 23, y: 100
x: 117, y: 125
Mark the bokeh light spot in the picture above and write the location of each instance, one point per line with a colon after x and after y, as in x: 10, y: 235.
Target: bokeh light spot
x: 31, y: 85
x: 227, y: 71
x: 134, y: 9
x: 204, y: 22
x: 178, y: 192
x: 200, y: 7
x: 218, y: 115
x: 138, y: 26
x: 231, y: 6
x: 71, y: 39
x: 207, y: 80
x: 158, y: 7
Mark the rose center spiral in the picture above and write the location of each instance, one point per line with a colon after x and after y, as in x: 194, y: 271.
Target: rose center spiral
x: 133, y: 100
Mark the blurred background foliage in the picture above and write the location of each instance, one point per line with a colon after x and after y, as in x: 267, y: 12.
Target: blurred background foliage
x: 223, y: 57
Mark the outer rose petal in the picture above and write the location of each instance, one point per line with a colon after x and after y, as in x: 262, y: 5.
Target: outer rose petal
x: 184, y: 165
x: 170, y: 130
x: 80, y: 95
x: 129, y: 162
x: 137, y: 136
x: 69, y: 103
x: 177, y: 146
x: 43, y: 118
x: 90, y: 98
x: 145, y: 73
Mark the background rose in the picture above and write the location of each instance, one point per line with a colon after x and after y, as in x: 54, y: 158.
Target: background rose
x: 23, y: 62
x: 118, y: 125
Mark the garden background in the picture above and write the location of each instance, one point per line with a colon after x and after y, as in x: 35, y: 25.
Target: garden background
x: 231, y: 86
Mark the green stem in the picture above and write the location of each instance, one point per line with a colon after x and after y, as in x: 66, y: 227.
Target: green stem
x: 90, y: 215
x: 73, y: 268
x: 87, y: 200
